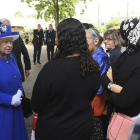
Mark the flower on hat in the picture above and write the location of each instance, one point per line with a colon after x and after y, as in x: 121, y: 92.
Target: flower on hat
x: 3, y: 29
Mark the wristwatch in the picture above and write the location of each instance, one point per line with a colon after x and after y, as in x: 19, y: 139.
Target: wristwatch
x: 109, y: 85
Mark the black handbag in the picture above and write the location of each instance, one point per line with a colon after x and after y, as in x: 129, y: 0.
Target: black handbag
x: 26, y: 106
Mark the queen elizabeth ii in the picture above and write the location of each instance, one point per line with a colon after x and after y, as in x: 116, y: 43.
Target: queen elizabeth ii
x: 12, y: 125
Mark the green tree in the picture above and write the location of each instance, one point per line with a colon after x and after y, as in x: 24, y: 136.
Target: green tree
x: 18, y: 14
x: 100, y: 28
x: 55, y: 10
x: 113, y: 23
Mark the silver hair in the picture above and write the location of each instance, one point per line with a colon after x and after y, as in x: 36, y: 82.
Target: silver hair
x: 4, y: 19
x: 94, y: 34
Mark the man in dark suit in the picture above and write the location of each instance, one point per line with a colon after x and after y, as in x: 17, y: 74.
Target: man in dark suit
x: 50, y: 41
x: 37, y: 42
x: 18, y: 48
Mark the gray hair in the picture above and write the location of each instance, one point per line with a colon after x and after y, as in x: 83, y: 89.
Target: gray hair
x: 94, y: 34
x: 3, y: 20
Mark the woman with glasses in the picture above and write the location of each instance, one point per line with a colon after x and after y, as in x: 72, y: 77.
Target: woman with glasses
x: 112, y: 44
x: 12, y: 125
x: 94, y: 41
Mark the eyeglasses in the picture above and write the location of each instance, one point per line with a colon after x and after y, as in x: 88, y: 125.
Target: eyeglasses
x: 107, y: 39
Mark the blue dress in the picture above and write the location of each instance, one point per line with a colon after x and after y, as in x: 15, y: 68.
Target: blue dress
x: 103, y: 60
x: 12, y: 125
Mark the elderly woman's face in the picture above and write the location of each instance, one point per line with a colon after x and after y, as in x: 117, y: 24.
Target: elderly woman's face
x: 6, y: 46
x: 109, y: 43
x: 90, y: 42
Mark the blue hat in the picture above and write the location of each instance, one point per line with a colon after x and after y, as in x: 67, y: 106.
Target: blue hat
x: 5, y: 31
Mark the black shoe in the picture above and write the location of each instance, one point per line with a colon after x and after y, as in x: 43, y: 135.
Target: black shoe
x: 38, y: 62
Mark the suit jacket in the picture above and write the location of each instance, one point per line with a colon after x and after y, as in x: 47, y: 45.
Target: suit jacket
x: 50, y: 37
x: 37, y: 40
x: 18, y: 48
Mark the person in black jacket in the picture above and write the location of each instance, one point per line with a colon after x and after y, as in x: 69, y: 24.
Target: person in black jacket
x: 65, y: 87
x: 37, y: 42
x: 18, y: 49
x: 50, y: 41
x: 123, y: 80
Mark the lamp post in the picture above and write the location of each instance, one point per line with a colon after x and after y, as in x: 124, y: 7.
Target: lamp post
x: 98, y: 12
x: 127, y: 9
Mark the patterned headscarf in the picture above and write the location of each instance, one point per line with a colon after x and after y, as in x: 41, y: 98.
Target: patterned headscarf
x: 130, y: 31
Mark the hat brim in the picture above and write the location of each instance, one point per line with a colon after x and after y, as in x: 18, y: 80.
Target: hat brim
x: 14, y: 35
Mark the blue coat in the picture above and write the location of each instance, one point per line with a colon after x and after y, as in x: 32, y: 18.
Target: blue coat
x: 102, y: 58
x: 12, y: 125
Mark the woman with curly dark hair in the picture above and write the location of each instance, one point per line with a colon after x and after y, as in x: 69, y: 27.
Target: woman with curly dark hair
x: 66, y: 86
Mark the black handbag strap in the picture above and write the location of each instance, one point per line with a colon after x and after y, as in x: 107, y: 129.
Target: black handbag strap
x: 24, y: 94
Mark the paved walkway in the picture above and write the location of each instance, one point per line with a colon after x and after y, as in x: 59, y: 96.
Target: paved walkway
x: 29, y: 82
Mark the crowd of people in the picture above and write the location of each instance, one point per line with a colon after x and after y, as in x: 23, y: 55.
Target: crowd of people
x: 79, y: 87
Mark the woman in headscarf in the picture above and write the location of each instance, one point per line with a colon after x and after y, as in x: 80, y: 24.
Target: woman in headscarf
x: 66, y: 86
x: 94, y: 41
x: 123, y: 80
x: 12, y: 125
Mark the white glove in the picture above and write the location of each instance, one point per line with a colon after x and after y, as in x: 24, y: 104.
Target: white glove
x: 16, y: 99
x: 19, y: 92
